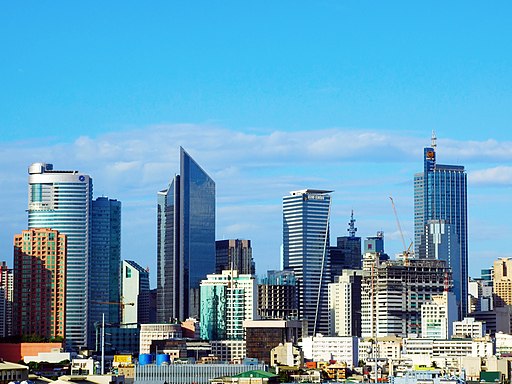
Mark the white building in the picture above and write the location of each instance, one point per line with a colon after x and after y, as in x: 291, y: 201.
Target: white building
x: 341, y: 306
x: 151, y: 332
x: 503, y: 344
x: 438, y: 315
x: 54, y: 356
x: 62, y: 200
x: 448, y: 348
x: 321, y: 348
x: 469, y: 328
x: 135, y: 293
x: 389, y: 348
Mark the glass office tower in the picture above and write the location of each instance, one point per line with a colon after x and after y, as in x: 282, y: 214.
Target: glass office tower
x: 105, y: 264
x: 61, y: 200
x: 185, y: 240
x: 306, y: 252
x: 440, y: 193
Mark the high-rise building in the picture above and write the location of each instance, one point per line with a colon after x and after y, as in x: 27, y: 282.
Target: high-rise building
x: 393, y: 292
x: 6, y: 299
x: 345, y: 304
x: 347, y: 253
x: 227, y: 299
x: 440, y: 193
x: 502, y: 282
x: 135, y: 291
x: 234, y: 254
x: 40, y: 283
x: 61, y: 200
x: 277, y: 296
x: 185, y: 240
x: 105, y: 262
x: 306, y: 252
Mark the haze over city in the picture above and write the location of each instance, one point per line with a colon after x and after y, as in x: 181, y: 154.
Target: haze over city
x: 268, y: 98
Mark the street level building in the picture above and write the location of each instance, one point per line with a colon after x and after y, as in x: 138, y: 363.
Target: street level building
x: 61, y: 200
x: 40, y: 283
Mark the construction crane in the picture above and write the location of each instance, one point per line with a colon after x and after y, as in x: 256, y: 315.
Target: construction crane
x: 406, y: 250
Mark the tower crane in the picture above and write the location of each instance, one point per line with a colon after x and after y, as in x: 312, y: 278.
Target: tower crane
x: 406, y: 250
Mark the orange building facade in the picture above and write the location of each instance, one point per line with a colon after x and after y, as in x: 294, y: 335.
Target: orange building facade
x: 39, y: 283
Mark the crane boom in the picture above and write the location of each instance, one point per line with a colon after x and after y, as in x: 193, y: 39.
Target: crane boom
x: 398, y: 224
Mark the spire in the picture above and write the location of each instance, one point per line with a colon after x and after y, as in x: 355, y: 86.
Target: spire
x: 351, y: 226
x: 434, y: 139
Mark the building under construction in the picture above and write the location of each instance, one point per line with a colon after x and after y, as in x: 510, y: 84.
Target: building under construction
x: 393, y: 291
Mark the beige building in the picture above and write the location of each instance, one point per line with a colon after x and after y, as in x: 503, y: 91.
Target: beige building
x: 151, y: 332
x: 287, y: 354
x: 502, y: 283
x: 437, y: 316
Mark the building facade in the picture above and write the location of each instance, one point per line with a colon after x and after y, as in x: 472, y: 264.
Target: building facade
x: 6, y: 299
x: 345, y: 304
x: 105, y: 263
x: 306, y: 252
x: 502, y: 282
x: 440, y: 193
x: 393, y: 292
x: 438, y: 315
x: 347, y: 252
x: 234, y: 254
x: 61, y: 200
x: 40, y: 283
x: 342, y: 349
x: 185, y: 240
x: 135, y: 292
x: 152, y: 332
x: 277, y: 296
x: 228, y: 299
x: 469, y: 328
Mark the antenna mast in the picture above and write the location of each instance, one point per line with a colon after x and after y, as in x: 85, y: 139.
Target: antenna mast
x: 351, y: 225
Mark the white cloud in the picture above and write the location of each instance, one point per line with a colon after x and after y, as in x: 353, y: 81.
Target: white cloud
x: 500, y: 175
x: 252, y: 172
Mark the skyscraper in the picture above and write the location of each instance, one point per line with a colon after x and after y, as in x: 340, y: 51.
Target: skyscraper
x: 185, y: 240
x: 135, y: 289
x: 347, y: 253
x: 105, y: 263
x: 502, y: 282
x: 440, y: 193
x: 306, y: 252
x: 61, y: 200
x: 234, y: 254
x: 40, y: 283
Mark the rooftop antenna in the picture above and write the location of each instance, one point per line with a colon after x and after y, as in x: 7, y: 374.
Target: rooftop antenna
x: 434, y: 140
x: 351, y: 226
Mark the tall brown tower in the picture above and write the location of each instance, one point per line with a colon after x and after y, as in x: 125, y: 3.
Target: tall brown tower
x: 39, y: 283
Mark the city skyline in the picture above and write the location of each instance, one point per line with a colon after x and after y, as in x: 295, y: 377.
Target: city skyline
x: 268, y: 99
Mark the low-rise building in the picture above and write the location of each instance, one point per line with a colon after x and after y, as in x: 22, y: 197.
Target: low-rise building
x: 151, y: 332
x: 320, y: 348
x: 287, y: 354
x: 229, y: 350
x: 11, y: 372
x: 468, y: 328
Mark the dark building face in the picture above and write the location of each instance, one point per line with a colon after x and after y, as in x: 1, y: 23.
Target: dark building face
x: 234, y: 254
x: 186, y: 240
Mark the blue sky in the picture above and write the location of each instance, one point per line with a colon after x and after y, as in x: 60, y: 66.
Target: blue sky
x: 268, y: 97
